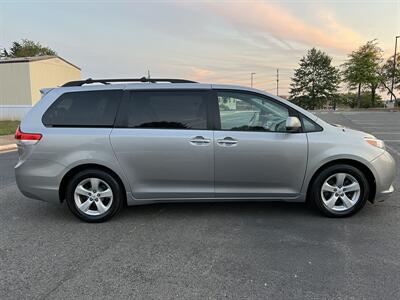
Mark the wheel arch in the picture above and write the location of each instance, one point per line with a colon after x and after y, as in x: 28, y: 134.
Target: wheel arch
x: 357, y: 164
x: 79, y: 168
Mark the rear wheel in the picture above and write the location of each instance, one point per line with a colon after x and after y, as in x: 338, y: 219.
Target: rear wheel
x: 340, y: 191
x: 94, y: 195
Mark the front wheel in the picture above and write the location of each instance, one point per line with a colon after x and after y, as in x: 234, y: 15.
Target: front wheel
x: 94, y: 195
x: 340, y: 191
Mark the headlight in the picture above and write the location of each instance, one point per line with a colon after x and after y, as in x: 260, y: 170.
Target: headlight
x: 375, y: 142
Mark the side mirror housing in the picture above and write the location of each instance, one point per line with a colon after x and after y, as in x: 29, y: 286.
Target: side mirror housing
x: 293, y: 124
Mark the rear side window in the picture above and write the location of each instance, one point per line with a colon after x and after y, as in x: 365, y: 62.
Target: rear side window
x: 84, y: 109
x: 164, y: 110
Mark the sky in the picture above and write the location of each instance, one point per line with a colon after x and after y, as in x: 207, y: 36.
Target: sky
x: 206, y: 41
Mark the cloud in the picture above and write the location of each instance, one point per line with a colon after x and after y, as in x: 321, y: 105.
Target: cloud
x: 206, y: 75
x: 272, y: 19
x: 199, y: 74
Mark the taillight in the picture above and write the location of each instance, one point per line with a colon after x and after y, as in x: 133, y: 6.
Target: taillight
x: 31, y: 138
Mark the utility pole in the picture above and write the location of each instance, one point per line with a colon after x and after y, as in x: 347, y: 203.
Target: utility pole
x: 251, y: 78
x: 148, y: 74
x: 277, y: 82
x: 394, y: 67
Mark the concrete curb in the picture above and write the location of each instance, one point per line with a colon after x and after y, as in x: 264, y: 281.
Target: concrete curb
x: 8, y: 147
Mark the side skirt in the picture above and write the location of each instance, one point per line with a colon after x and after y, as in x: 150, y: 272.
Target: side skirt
x: 132, y: 201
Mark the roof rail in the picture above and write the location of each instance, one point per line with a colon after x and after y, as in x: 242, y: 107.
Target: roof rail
x: 108, y: 81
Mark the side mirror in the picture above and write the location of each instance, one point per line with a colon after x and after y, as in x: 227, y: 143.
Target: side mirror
x: 293, y: 124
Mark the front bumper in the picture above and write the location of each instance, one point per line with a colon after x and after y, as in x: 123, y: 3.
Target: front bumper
x: 384, y: 169
x: 384, y: 194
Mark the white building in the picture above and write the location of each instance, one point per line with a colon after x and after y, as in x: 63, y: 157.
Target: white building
x: 22, y: 78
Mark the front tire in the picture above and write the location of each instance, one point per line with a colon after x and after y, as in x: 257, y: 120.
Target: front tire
x: 94, y: 195
x: 340, y: 191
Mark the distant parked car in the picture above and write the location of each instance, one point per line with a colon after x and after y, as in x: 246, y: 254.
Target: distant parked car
x: 101, y: 147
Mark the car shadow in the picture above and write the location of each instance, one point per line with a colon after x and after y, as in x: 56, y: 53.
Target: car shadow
x: 277, y: 210
x: 222, y: 209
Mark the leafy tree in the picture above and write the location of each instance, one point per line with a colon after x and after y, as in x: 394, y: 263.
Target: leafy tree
x: 351, y: 100
x: 27, y: 48
x: 387, y: 75
x: 346, y: 99
x: 302, y: 101
x: 316, y: 81
x: 3, y: 53
x: 363, y: 69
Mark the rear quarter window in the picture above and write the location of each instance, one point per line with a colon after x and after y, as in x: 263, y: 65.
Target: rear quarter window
x: 84, y: 109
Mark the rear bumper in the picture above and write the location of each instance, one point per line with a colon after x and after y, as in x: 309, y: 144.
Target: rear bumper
x: 39, y: 179
x: 384, y: 168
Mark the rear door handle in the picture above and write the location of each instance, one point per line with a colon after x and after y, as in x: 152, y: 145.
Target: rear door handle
x: 226, y: 142
x: 200, y: 141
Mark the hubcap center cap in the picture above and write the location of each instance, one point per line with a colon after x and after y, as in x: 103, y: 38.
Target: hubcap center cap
x: 340, y: 191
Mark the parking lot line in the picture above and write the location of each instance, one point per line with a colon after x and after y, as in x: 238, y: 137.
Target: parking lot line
x: 380, y: 126
x: 383, y: 132
x: 381, y: 123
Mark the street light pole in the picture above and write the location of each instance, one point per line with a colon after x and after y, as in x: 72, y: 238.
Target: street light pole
x: 394, y: 67
x: 277, y: 82
x: 251, y: 76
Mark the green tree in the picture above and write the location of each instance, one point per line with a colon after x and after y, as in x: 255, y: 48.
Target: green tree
x: 346, y: 99
x: 387, y: 75
x: 3, y: 53
x: 316, y: 81
x: 350, y: 99
x: 27, y: 48
x: 362, y: 69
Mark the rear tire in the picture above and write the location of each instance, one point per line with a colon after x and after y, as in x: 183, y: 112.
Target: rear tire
x: 340, y: 191
x: 94, y: 196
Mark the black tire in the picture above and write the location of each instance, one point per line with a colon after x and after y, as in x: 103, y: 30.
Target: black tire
x: 118, y: 196
x: 316, y: 197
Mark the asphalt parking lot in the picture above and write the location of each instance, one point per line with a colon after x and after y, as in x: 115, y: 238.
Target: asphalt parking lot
x: 197, y: 251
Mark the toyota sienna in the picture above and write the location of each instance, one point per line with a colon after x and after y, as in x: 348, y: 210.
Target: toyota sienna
x: 99, y: 146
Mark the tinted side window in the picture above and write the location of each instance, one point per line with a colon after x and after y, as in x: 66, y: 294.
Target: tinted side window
x: 249, y: 112
x: 310, y: 126
x: 84, y: 109
x: 165, y: 110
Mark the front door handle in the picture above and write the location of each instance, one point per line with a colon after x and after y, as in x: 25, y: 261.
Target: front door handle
x: 200, y: 141
x: 227, y: 142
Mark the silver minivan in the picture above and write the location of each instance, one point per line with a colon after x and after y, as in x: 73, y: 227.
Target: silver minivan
x: 99, y: 146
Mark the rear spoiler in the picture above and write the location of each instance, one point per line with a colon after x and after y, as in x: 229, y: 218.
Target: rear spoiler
x: 45, y: 91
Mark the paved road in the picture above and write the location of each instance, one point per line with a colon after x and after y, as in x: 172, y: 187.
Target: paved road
x: 171, y: 251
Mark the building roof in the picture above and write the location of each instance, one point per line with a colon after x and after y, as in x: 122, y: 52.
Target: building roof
x: 34, y: 58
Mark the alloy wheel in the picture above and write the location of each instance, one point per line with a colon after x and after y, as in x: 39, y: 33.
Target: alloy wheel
x: 340, y: 192
x: 93, y: 196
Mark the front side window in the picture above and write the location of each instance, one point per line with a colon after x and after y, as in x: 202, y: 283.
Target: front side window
x: 249, y: 112
x: 310, y: 126
x: 84, y: 109
x: 165, y: 110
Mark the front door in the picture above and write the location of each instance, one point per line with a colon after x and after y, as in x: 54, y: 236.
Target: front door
x: 254, y: 154
x: 163, y: 144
